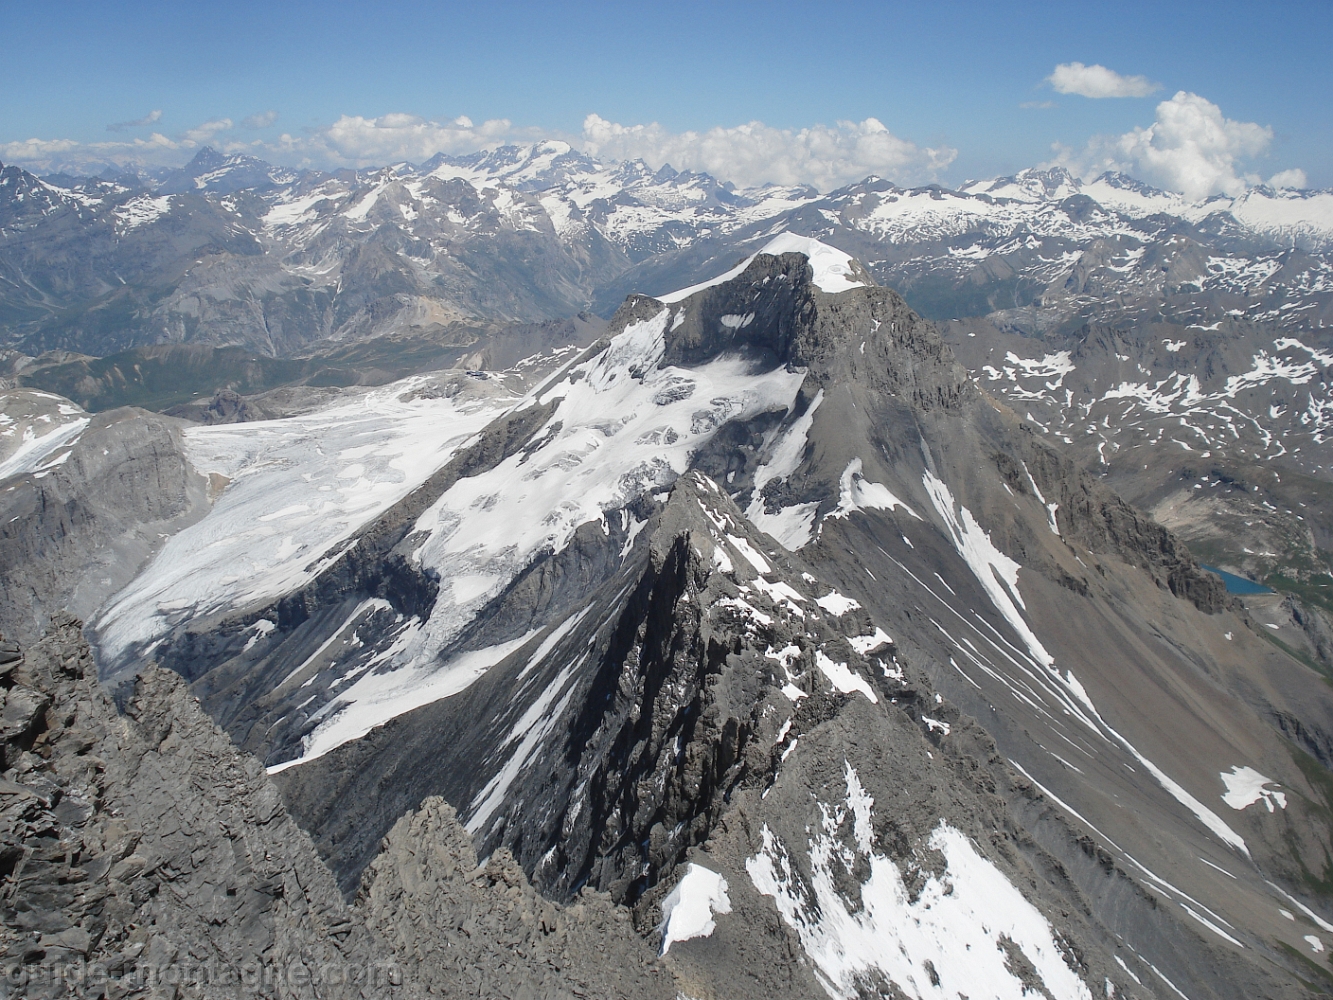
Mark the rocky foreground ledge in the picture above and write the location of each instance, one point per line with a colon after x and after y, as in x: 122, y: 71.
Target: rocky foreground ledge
x: 142, y: 854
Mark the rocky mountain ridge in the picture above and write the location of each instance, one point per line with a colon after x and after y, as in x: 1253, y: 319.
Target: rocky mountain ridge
x: 145, y: 856
x: 762, y: 616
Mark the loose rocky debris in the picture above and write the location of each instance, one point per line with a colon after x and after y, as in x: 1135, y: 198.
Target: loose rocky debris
x: 142, y: 854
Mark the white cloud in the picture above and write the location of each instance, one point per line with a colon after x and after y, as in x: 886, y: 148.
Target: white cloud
x: 1097, y: 81
x: 147, y: 119
x: 204, y: 133
x: 822, y: 156
x: 369, y: 142
x: 51, y: 155
x: 1294, y: 178
x: 1190, y: 148
x: 261, y: 119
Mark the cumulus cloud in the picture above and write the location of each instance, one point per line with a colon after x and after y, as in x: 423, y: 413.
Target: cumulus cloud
x: 1191, y: 148
x: 147, y: 119
x: 351, y: 141
x: 202, y: 134
x: 262, y: 119
x: 1097, y: 81
x: 822, y: 156
x: 1294, y: 179
x: 355, y: 141
x: 50, y: 155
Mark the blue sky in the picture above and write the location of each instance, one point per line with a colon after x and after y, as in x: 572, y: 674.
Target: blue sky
x: 948, y: 80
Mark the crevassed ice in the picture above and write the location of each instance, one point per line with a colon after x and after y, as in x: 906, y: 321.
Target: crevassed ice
x: 298, y: 489
x: 612, y: 437
x: 956, y: 927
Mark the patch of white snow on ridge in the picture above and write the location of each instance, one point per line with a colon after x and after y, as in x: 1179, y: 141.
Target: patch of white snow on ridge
x: 750, y: 554
x: 1245, y: 787
x: 688, y: 910
x: 836, y: 604
x: 855, y: 492
x: 955, y: 927
x: 833, y: 269
x: 843, y: 677
x: 864, y: 644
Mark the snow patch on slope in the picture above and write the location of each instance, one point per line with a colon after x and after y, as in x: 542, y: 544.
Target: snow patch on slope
x: 375, y: 698
x: 998, y: 576
x: 140, y: 211
x: 995, y: 571
x: 688, y: 910
x: 1245, y: 786
x: 953, y: 939
x: 843, y: 677
x: 855, y: 492
x: 37, y: 429
x: 790, y: 526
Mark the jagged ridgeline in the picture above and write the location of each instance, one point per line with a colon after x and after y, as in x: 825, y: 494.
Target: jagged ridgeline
x: 762, y: 618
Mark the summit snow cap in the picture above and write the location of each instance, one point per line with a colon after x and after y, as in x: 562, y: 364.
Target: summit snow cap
x: 834, y: 271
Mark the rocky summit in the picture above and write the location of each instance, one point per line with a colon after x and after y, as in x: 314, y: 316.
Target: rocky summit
x: 769, y: 645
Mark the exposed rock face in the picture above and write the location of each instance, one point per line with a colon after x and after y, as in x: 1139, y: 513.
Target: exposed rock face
x: 143, y: 855
x: 76, y: 533
x: 143, y: 848
x: 484, y: 931
x: 775, y: 310
x: 1088, y: 512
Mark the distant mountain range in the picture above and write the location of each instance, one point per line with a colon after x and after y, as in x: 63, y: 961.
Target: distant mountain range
x: 230, y: 250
